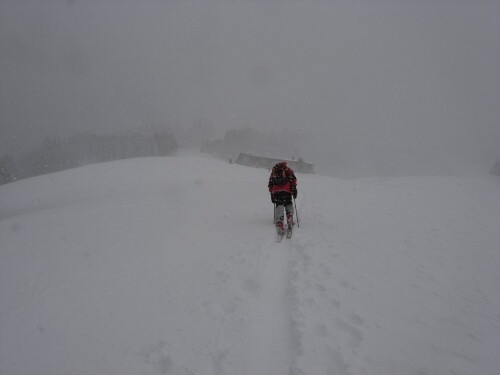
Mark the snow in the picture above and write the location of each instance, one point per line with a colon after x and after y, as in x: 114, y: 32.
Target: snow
x: 171, y: 266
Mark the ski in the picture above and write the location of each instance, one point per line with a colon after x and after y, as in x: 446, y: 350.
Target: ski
x: 289, y: 232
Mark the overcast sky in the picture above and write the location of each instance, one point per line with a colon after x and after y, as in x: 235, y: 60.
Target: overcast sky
x: 370, y: 74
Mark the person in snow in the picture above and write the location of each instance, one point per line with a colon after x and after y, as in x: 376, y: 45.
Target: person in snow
x: 283, y: 186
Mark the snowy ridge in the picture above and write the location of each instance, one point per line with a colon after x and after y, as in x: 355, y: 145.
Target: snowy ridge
x: 170, y: 266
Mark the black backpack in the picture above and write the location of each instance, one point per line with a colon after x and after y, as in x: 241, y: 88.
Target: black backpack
x: 279, y: 171
x: 280, y: 174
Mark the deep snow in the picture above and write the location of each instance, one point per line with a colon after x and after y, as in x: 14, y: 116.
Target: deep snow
x: 170, y: 266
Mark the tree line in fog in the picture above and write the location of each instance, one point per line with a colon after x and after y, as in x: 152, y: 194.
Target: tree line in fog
x: 57, y: 153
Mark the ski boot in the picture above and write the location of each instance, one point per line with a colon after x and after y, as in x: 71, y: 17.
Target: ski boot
x: 280, y: 227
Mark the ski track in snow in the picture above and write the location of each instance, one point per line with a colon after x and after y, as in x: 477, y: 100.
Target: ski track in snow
x: 383, y: 277
x: 269, y: 341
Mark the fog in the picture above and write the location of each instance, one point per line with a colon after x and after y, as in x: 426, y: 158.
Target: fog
x: 369, y: 87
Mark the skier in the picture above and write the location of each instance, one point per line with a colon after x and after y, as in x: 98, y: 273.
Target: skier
x: 283, y: 186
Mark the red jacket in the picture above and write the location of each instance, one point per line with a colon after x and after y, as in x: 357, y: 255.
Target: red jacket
x: 282, y: 178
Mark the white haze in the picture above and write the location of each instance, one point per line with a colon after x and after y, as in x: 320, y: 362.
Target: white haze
x: 380, y: 87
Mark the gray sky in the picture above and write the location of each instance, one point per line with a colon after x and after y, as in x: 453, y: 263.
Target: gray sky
x: 369, y: 77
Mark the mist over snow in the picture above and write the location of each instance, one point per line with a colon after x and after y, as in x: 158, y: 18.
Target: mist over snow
x: 376, y: 88
x: 170, y: 266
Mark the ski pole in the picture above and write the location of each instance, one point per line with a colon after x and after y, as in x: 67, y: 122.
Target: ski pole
x: 296, y: 212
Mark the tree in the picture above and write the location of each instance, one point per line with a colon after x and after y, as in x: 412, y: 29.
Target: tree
x: 7, y: 168
x: 163, y: 144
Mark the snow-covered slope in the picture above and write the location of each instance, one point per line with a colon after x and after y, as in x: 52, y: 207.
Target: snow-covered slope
x: 170, y: 266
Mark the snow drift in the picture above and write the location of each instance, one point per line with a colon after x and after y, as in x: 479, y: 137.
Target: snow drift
x: 170, y: 266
